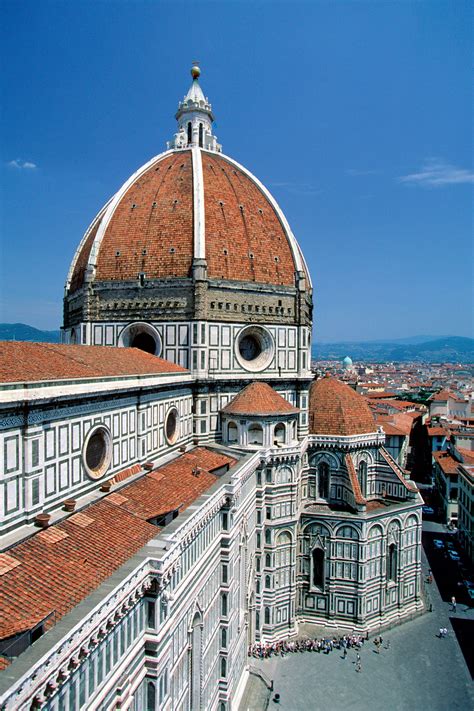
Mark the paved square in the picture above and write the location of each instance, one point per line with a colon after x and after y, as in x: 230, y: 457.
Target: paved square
x: 419, y: 670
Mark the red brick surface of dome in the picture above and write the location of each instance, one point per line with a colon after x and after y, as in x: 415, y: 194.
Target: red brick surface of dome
x: 148, y: 227
x: 336, y: 409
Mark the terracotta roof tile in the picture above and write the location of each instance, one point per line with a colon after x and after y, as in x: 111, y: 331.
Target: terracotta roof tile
x: 337, y: 409
x: 116, y: 498
x: 40, y: 578
x: 53, y: 535
x: 23, y: 361
x: 151, y: 228
x: 152, y: 225
x: 442, y: 396
x: 81, y: 519
x: 359, y: 498
x: 245, y: 239
x: 259, y: 399
x: 437, y: 432
x: 392, y: 430
x: 174, y: 485
x: 446, y: 462
x: 127, y: 473
x: 7, y: 563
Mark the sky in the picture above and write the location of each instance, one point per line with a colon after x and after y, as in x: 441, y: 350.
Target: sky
x: 356, y: 115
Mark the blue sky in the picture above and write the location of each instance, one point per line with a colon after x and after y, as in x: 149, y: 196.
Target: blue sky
x: 356, y: 115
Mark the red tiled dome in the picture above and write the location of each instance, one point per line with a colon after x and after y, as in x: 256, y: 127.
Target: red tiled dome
x: 149, y: 226
x: 336, y: 409
x: 259, y: 399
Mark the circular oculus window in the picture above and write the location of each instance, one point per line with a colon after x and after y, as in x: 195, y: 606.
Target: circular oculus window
x: 141, y: 335
x: 172, y: 425
x: 97, y: 452
x: 254, y: 348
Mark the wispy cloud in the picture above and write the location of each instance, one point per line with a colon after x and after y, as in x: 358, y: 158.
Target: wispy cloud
x: 435, y: 173
x: 20, y: 164
x: 298, y: 188
x: 355, y: 172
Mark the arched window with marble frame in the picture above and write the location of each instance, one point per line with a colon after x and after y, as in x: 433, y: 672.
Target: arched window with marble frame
x: 374, y: 551
x: 315, y: 537
x: 284, y: 474
x: 320, y: 476
x: 283, y: 558
x: 393, y: 550
x: 410, y: 540
x: 195, y: 653
x: 364, y: 466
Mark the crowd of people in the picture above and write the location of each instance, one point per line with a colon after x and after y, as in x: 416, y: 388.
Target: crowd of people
x: 263, y: 650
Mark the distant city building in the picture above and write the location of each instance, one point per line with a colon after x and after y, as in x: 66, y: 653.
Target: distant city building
x: 446, y: 469
x: 466, y: 508
x: 446, y: 404
x: 347, y: 363
x: 190, y: 488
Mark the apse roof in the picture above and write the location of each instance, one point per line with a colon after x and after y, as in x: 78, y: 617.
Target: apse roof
x: 337, y: 409
x: 259, y: 399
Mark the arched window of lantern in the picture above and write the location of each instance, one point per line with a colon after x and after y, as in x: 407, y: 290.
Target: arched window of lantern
x: 200, y: 135
x: 190, y: 133
x: 232, y: 432
x: 279, y: 435
x: 255, y: 434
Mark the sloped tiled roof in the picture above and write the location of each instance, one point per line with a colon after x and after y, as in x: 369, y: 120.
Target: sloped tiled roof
x: 173, y: 485
x: 337, y: 409
x: 437, y: 432
x: 24, y: 361
x: 391, y: 430
x: 259, y: 399
x: 57, y: 568
x: 358, y: 496
x: 442, y: 396
x: 397, y: 423
x: 446, y: 462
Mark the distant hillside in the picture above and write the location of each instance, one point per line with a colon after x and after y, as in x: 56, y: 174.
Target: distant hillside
x: 444, y: 349
x: 22, y: 332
